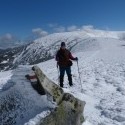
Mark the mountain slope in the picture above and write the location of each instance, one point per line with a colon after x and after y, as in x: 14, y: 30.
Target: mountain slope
x: 45, y: 48
x: 7, y: 57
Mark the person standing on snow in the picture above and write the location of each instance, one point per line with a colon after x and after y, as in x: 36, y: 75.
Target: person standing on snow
x: 63, y: 58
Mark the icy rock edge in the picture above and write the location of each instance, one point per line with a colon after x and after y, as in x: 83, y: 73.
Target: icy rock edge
x: 69, y: 110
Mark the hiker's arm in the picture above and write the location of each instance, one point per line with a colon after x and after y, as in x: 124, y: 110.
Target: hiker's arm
x: 71, y: 57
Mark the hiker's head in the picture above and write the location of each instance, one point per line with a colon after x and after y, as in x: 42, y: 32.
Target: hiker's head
x: 63, y: 45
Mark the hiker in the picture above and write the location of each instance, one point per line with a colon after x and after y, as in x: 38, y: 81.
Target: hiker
x: 63, y: 58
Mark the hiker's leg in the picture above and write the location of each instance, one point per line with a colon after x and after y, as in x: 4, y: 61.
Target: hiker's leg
x: 68, y: 71
x: 62, y: 72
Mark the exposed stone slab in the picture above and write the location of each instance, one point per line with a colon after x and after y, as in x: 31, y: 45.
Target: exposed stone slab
x: 69, y: 110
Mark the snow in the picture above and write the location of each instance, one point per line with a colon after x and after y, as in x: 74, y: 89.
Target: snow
x: 5, y: 61
x: 26, y: 104
x: 38, y: 118
x: 86, y: 123
x: 101, y: 82
x: 4, y: 77
x: 102, y: 72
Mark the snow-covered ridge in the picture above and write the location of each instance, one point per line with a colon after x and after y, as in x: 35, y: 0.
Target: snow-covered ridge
x: 50, y: 39
x: 45, y: 48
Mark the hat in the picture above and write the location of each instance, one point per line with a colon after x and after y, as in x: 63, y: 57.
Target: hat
x: 63, y: 44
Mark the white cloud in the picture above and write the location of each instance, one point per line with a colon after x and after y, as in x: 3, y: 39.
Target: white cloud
x: 60, y: 29
x: 7, y: 38
x: 87, y: 27
x: 57, y: 28
x: 72, y: 28
x: 39, y: 32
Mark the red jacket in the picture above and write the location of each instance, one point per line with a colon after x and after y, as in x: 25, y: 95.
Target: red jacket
x: 63, y: 57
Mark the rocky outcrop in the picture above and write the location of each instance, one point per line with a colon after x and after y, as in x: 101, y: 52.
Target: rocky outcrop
x: 69, y: 110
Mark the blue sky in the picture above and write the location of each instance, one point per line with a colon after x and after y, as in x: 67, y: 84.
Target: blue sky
x: 23, y: 18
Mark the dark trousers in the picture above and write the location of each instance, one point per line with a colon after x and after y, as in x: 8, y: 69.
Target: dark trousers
x: 62, y: 73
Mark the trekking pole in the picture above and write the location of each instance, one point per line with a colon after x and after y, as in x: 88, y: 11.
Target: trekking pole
x: 58, y: 74
x: 79, y: 76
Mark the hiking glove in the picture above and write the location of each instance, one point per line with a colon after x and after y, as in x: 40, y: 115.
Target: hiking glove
x: 76, y: 58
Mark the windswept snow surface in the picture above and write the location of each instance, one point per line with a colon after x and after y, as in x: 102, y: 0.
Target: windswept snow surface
x: 19, y: 102
x: 102, y: 72
x: 4, y: 77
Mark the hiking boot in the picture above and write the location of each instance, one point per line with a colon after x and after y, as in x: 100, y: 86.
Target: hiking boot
x: 71, y: 85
